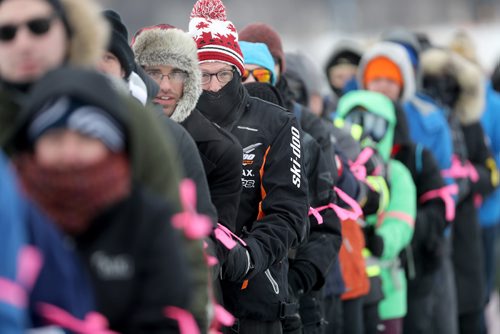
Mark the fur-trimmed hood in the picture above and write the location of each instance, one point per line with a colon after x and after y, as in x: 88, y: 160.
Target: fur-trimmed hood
x: 398, y: 55
x: 174, y: 47
x: 90, y: 32
x: 470, y: 103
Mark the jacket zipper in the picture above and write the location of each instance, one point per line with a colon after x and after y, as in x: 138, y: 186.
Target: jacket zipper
x: 275, y: 285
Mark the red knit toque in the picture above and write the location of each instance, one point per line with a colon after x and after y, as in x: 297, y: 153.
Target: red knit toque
x: 215, y: 36
x: 263, y: 33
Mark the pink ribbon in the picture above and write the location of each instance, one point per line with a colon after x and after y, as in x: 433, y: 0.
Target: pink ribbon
x: 94, y: 323
x: 446, y: 194
x: 358, y: 167
x: 12, y: 293
x: 211, y: 260
x: 221, y: 318
x: 187, y: 324
x: 460, y: 171
x: 194, y: 225
x: 342, y: 213
x: 29, y: 265
x: 226, y: 237
x: 397, y: 215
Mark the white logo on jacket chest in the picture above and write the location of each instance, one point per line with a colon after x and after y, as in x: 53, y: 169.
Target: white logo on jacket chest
x: 248, y: 155
x: 112, y: 267
x: 295, y: 158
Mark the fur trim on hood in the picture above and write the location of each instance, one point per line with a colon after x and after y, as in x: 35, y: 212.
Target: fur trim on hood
x: 398, y: 55
x: 176, y: 48
x: 90, y: 32
x: 470, y: 103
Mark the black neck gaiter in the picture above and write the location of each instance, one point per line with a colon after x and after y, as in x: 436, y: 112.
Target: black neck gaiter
x: 221, y: 107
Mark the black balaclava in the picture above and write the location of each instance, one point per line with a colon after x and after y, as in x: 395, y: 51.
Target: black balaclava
x: 220, y: 107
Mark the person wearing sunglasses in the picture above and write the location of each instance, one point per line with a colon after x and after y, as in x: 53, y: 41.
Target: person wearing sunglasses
x: 274, y: 201
x: 259, y: 63
x: 37, y: 36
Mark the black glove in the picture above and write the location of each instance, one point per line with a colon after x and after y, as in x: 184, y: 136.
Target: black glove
x: 237, y: 264
x: 373, y: 241
x: 372, y: 202
x: 302, y: 277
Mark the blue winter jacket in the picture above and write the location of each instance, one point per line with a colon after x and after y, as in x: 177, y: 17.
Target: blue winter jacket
x: 489, y: 213
x: 62, y: 280
x: 13, y: 237
x: 429, y: 127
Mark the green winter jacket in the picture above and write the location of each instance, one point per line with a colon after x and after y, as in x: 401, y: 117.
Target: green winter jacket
x: 395, y: 224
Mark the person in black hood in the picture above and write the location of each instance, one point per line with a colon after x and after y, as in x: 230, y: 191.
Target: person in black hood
x: 73, y: 148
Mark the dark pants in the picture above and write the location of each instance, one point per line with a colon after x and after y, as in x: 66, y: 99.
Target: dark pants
x: 393, y: 326
x: 353, y: 316
x: 489, y: 236
x: 444, y: 297
x: 418, y: 319
x: 248, y: 326
x: 333, y: 314
x: 470, y: 323
x: 371, y: 318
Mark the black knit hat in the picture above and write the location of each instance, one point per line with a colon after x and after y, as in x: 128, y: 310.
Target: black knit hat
x: 59, y: 9
x: 118, y: 44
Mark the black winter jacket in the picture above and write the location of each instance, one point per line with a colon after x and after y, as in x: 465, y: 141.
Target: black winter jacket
x: 273, y: 204
x: 221, y: 155
x: 466, y: 233
x: 320, y: 249
x: 192, y: 166
x: 136, y: 264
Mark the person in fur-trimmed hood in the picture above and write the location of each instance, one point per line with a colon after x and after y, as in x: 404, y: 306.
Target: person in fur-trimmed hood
x: 168, y: 55
x: 458, y: 85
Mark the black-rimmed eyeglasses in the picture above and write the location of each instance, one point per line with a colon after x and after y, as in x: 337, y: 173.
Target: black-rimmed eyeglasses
x: 223, y: 76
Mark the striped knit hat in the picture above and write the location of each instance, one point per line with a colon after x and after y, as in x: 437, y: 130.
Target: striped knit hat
x: 215, y: 36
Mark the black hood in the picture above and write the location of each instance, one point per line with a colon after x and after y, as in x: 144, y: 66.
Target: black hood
x: 88, y: 86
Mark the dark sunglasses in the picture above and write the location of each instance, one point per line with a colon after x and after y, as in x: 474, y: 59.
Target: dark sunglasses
x: 37, y: 26
x: 260, y: 75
